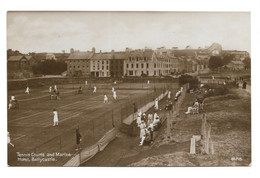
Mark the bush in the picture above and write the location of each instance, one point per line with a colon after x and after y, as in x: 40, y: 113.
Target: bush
x: 193, y: 81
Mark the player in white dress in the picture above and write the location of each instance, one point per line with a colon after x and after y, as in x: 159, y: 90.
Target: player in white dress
x: 50, y: 89
x: 95, y: 89
x: 169, y: 94
x: 156, y: 104
x: 27, y: 90
x: 113, y: 89
x: 55, y: 117
x: 148, y: 82
x: 105, y: 98
x: 9, y: 139
x: 114, y: 95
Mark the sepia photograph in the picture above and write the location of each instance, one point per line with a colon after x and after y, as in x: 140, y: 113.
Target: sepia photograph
x: 128, y: 88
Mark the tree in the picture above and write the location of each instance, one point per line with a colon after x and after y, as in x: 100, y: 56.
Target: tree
x: 215, y: 62
x: 227, y: 59
x: 193, y: 81
x: 247, y: 63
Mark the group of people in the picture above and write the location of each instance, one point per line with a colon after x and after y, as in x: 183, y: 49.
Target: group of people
x: 54, y: 92
x: 199, y: 102
x: 114, y: 95
x: 147, y: 124
x: 13, y: 103
x: 178, y: 94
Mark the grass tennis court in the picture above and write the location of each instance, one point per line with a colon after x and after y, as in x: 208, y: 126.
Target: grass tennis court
x: 31, y: 127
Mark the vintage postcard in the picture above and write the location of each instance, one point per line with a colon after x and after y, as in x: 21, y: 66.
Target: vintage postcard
x: 128, y: 89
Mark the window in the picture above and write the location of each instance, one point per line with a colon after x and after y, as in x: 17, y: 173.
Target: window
x: 142, y: 65
x: 102, y: 62
x: 107, y: 62
x: 130, y: 72
x: 132, y: 65
x: 102, y: 67
x: 78, y: 66
x: 155, y: 72
x: 154, y: 65
x: 107, y: 67
x: 147, y: 65
x: 126, y: 65
x: 137, y: 59
x: 136, y: 65
x: 83, y: 66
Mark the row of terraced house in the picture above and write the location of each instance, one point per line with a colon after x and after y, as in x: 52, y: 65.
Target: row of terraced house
x: 140, y: 62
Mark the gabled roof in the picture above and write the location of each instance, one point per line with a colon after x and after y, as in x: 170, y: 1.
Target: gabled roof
x: 80, y: 55
x: 28, y: 57
x: 16, y: 58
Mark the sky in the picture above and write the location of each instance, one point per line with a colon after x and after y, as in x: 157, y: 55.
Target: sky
x: 57, y: 31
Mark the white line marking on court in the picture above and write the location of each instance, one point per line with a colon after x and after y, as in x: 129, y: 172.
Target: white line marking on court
x: 18, y: 137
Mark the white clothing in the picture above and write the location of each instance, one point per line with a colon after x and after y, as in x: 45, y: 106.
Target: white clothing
x: 50, y: 89
x: 154, y: 116
x: 55, y: 118
x: 105, y: 99
x: 156, y: 104
x: 156, y: 121
x: 55, y: 87
x: 113, y: 89
x: 114, y: 95
x: 169, y: 94
x: 142, y: 130
x: 138, y: 120
x: 27, y: 90
x: 148, y: 82
x: 12, y: 98
x: 86, y: 82
x: 95, y: 89
x: 8, y: 139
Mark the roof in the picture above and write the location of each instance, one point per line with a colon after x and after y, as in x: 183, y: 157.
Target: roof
x: 119, y: 55
x: 184, y: 52
x: 16, y: 58
x: 28, y: 57
x: 80, y: 55
x: 100, y: 56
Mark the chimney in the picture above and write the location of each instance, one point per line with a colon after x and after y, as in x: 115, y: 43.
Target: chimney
x: 71, y: 50
x: 93, y: 50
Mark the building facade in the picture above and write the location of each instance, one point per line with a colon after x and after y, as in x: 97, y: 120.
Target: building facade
x: 18, y: 63
x: 100, y: 64
x: 78, y: 64
x: 117, y: 64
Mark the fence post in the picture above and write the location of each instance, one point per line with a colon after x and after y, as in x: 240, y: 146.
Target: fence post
x: 93, y: 131
x: 113, y: 118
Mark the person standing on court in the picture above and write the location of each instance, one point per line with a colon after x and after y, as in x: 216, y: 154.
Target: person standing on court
x: 55, y: 117
x: 78, y: 139
x: 95, y: 89
x: 9, y: 139
x: 105, y: 98
x: 27, y: 90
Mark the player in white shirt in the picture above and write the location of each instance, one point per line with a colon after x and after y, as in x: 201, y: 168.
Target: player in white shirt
x: 105, y: 98
x: 148, y: 82
x: 113, y: 89
x: 95, y: 89
x: 9, y: 139
x: 114, y: 95
x: 55, y: 117
x: 27, y: 90
x: 156, y: 104
x: 50, y: 89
